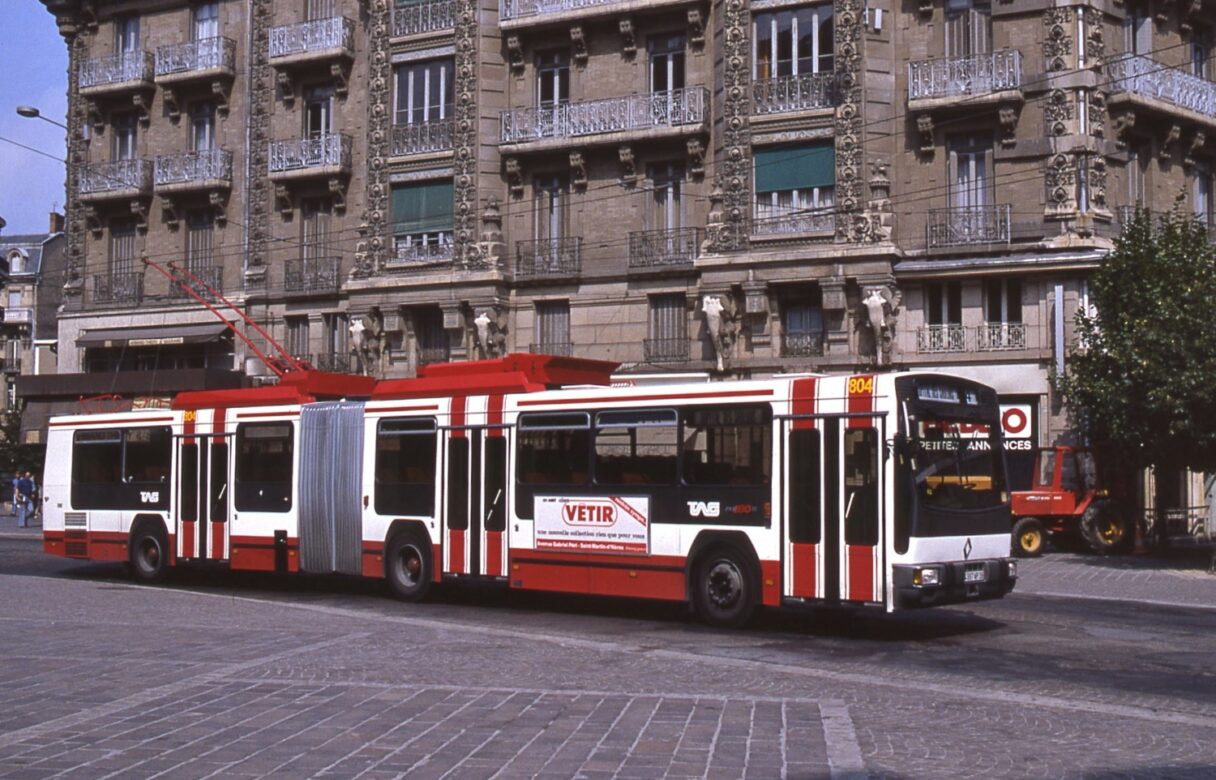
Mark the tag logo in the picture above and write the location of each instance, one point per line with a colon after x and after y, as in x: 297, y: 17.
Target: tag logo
x: 149, y: 496
x: 704, y: 508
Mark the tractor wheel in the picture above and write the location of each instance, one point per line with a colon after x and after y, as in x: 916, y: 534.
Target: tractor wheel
x: 1104, y: 529
x: 1029, y: 538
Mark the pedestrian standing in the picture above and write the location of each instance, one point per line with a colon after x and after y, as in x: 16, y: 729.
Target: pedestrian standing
x: 24, y: 499
x: 16, y: 477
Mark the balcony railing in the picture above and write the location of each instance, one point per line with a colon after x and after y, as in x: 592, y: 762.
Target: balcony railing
x: 941, y: 338
x: 664, y: 248
x: 795, y: 222
x: 19, y: 315
x: 208, y: 54
x: 612, y: 115
x: 520, y: 9
x: 119, y: 288
x: 998, y: 336
x: 559, y: 348
x: 424, y: 17
x: 968, y: 225
x: 327, y: 151
x: 414, y: 253
x: 337, y: 363
x: 193, y: 168
x: 665, y: 350
x: 315, y: 37
x: 423, y: 137
x: 794, y: 93
x: 209, y: 276
x: 312, y: 275
x: 428, y: 355
x: 801, y: 344
x: 1143, y: 76
x: 977, y: 74
x: 116, y: 69
x: 115, y: 177
x: 548, y: 258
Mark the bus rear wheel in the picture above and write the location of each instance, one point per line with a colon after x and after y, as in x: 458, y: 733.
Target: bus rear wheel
x: 149, y: 555
x: 723, y: 589
x: 1029, y: 538
x: 407, y: 564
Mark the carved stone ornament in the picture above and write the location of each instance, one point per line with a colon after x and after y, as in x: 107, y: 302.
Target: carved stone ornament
x: 729, y: 233
x: 1194, y: 148
x: 170, y: 212
x: 578, y: 45
x: 629, y: 43
x: 369, y: 343
x: 283, y: 200
x: 1058, y: 112
x: 1095, y: 39
x: 1191, y: 9
x: 143, y: 108
x: 492, y: 248
x: 578, y: 170
x: 370, y: 255
x: 925, y: 9
x: 1168, y: 143
x: 218, y: 200
x: 337, y: 193
x: 93, y: 220
x: 696, y: 158
x: 881, y: 306
x: 924, y: 126
x: 466, y: 144
x: 1097, y: 113
x: 1061, y: 183
x: 720, y: 324
x: 1122, y: 123
x: 1008, y: 113
x: 139, y: 210
x: 850, y: 124
x: 491, y: 328
x: 696, y: 28
x: 221, y: 91
x: 515, y: 53
x: 173, y: 104
x: 515, y: 176
x: 1097, y: 183
x: 261, y: 84
x: 1057, y: 43
x: 629, y: 165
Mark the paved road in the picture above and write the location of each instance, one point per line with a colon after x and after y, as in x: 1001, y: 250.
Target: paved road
x: 239, y: 675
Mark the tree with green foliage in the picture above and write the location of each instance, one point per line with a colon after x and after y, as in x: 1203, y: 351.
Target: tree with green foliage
x: 15, y: 456
x: 1141, y: 386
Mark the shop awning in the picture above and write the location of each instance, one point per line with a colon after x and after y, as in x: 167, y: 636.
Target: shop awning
x: 153, y: 337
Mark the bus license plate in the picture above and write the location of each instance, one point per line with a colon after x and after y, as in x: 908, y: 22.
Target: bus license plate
x: 977, y: 574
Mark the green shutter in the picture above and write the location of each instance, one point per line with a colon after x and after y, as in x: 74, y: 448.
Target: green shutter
x: 795, y: 167
x: 422, y: 208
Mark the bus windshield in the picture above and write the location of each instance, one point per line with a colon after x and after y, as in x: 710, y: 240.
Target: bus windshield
x: 955, y: 464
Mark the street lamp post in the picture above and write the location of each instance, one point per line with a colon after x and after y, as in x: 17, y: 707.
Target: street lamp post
x: 32, y: 112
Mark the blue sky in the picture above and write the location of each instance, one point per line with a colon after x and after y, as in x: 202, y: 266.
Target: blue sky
x: 33, y: 71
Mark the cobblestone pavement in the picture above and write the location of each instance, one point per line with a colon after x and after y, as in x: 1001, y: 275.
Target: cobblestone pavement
x: 1181, y: 577
x: 227, y: 675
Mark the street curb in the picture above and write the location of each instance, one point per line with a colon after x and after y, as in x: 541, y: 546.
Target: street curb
x: 1124, y: 599
x: 10, y: 535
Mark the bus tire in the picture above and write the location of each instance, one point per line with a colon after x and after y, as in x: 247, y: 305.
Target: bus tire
x: 724, y: 587
x: 148, y: 553
x: 407, y: 565
x: 1029, y: 538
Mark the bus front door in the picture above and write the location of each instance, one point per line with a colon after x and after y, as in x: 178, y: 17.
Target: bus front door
x: 475, y: 502
x: 203, y: 497
x: 858, y: 526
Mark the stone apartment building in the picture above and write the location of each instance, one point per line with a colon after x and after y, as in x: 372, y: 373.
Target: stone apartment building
x: 738, y: 187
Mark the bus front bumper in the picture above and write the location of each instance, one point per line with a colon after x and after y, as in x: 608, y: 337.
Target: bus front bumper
x: 932, y: 584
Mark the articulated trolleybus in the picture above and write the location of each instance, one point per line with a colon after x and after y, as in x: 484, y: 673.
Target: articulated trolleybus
x: 885, y: 490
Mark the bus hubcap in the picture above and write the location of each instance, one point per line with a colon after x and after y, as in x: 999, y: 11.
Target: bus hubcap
x: 725, y: 584
x: 151, y: 554
x: 410, y: 565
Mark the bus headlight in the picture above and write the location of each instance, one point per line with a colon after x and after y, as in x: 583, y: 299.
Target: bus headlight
x: 1011, y: 568
x: 927, y: 577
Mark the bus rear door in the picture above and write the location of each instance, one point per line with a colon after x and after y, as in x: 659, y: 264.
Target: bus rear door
x: 475, y: 501
x: 203, y: 497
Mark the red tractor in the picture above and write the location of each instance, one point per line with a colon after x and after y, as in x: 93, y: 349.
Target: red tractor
x: 1066, y: 502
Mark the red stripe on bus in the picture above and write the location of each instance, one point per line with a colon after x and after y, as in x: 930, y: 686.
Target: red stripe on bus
x: 455, y: 552
x: 494, y: 416
x: 861, y: 400
x: 426, y: 408
x: 458, y: 416
x: 655, y: 397
x: 804, y: 569
x: 252, y: 415
x: 861, y: 572
x: 803, y: 402
x: 436, y: 562
x: 187, y: 529
x: 219, y: 547
x: 494, y: 553
x: 131, y: 421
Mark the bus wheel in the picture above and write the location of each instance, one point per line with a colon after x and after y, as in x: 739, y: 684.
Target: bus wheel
x: 149, y: 554
x: 724, y: 592
x: 1028, y: 538
x: 407, y: 564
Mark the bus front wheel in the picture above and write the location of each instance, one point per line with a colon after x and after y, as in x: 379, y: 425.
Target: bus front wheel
x: 407, y: 564
x: 724, y: 590
x: 1029, y: 538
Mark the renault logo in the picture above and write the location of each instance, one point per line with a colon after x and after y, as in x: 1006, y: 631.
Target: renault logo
x: 967, y: 549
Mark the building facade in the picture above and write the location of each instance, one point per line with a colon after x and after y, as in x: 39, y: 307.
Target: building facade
x: 741, y: 187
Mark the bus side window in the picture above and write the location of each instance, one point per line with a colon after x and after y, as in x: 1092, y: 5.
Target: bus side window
x: 552, y: 452
x: 727, y: 445
x: 405, y: 466
x: 96, y: 469
x: 636, y: 447
x: 263, y: 467
x: 804, y: 476
x: 861, y: 486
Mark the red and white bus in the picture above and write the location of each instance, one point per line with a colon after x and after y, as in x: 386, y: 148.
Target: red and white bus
x: 538, y: 472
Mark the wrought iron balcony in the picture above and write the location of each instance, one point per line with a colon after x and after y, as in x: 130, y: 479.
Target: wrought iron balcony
x: 665, y: 350
x: 998, y: 336
x: 794, y: 344
x: 559, y: 348
x: 324, y: 155
x: 1133, y: 74
x: 17, y: 315
x: 796, y: 222
x: 119, y: 288
x: 195, y: 59
x: 968, y: 225
x: 549, y: 258
x: 509, y: 10
x: 193, y: 170
x: 116, y: 179
x: 428, y: 355
x: 209, y: 276
x: 423, y: 17
x: 411, y: 253
x: 317, y: 39
x: 664, y: 248
x: 974, y: 75
x: 116, y: 72
x: 794, y: 93
x: 423, y: 137
x: 941, y: 338
x: 334, y: 362
x: 312, y: 276
x: 655, y: 110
